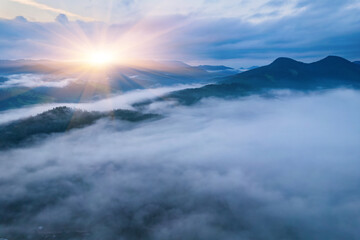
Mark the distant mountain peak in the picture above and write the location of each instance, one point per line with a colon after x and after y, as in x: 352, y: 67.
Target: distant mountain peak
x: 215, y: 67
x: 284, y: 61
x: 284, y: 73
x: 288, y: 73
x: 333, y: 60
x: 333, y: 57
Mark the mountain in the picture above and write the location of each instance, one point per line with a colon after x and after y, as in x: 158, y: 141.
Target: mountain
x: 87, y: 83
x: 214, y: 68
x: 60, y: 119
x: 243, y: 69
x: 21, y: 96
x: 147, y: 72
x: 219, y: 71
x: 283, y: 73
x: 288, y: 73
x: 357, y: 62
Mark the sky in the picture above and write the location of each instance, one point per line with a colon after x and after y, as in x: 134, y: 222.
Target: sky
x: 239, y: 33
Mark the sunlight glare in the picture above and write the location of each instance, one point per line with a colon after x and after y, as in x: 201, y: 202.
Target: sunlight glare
x: 101, y: 58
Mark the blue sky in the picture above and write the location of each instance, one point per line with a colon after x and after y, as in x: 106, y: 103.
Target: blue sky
x: 236, y: 33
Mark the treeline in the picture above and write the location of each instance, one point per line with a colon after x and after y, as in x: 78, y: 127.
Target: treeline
x: 57, y: 120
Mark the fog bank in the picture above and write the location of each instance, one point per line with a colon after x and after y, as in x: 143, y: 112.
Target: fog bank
x: 254, y: 168
x: 118, y: 101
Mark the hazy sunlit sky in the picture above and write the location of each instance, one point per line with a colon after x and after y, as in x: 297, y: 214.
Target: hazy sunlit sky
x: 232, y: 32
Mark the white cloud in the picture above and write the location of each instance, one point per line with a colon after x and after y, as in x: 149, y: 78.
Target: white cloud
x: 242, y: 33
x: 254, y: 168
x: 123, y: 101
x: 46, y: 7
x: 109, y: 11
x: 35, y: 80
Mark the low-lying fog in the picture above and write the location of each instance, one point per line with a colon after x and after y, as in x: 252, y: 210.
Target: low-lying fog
x: 253, y: 168
x: 119, y: 101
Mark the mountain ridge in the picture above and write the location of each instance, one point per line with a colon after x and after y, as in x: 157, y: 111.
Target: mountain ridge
x: 87, y: 85
x: 282, y: 73
x: 58, y: 120
x: 287, y: 69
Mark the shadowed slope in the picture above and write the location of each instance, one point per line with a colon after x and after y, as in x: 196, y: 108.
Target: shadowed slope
x: 60, y: 119
x: 283, y: 73
x: 287, y: 73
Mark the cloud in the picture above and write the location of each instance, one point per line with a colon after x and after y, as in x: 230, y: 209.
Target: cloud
x: 123, y: 101
x: 35, y: 80
x: 255, y: 33
x: 280, y: 168
x: 51, y: 9
x: 62, y: 18
x: 123, y: 11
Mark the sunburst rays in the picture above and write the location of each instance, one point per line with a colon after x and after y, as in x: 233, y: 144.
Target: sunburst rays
x: 90, y: 51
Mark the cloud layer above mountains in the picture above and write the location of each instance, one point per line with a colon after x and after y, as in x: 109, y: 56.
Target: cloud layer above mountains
x: 280, y: 168
x: 236, y: 32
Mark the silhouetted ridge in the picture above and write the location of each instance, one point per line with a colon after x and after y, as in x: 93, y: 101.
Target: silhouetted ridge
x: 214, y: 68
x: 283, y: 61
x: 284, y: 73
x: 60, y: 119
x: 288, y: 73
x: 84, y: 87
x: 333, y: 59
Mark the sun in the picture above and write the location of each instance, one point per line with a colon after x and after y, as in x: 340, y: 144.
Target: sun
x: 101, y: 58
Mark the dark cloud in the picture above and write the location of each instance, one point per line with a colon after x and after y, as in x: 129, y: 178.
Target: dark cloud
x: 280, y: 168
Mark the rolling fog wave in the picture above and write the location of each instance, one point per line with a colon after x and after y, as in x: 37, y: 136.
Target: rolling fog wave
x: 121, y: 101
x: 255, y: 168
